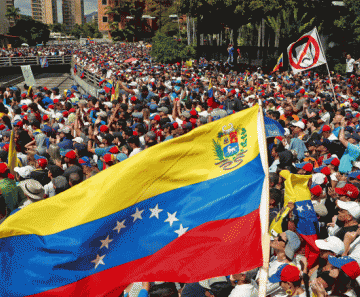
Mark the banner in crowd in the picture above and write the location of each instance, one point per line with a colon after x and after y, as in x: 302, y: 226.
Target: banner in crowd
x: 44, y: 62
x: 28, y: 75
x: 306, y: 52
x: 184, y: 210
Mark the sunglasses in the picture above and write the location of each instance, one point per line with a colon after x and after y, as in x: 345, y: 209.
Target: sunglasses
x: 279, y: 238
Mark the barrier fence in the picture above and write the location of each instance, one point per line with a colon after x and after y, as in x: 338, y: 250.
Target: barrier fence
x: 18, y: 61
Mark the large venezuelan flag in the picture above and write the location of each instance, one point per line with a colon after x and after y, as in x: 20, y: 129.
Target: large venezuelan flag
x: 184, y: 210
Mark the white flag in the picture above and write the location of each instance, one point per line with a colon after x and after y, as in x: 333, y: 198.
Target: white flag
x: 306, y: 52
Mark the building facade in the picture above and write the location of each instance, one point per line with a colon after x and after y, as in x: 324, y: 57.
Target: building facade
x: 4, y: 23
x: 73, y: 13
x: 44, y: 11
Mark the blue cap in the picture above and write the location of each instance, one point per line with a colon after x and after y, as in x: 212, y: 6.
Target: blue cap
x: 64, y: 152
x: 318, y: 170
x: 354, y: 174
x: 85, y: 161
x: 46, y: 129
x: 74, y: 88
x: 38, y: 157
x: 121, y: 157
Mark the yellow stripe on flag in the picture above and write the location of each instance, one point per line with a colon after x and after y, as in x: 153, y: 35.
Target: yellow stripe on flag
x: 195, y: 157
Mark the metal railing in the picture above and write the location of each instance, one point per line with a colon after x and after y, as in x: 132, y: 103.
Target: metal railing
x: 87, y: 81
x: 88, y: 77
x: 18, y: 61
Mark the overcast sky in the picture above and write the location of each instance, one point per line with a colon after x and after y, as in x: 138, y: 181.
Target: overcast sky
x: 25, y: 7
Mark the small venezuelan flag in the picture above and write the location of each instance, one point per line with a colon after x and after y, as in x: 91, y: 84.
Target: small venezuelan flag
x: 185, y: 210
x: 278, y: 64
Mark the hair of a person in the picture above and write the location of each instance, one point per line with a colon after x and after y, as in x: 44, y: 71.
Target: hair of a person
x: 163, y: 290
x: 221, y: 289
x: 74, y: 179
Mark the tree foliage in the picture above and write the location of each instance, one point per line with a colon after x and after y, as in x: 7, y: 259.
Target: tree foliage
x: 86, y: 30
x: 30, y: 31
x: 58, y: 28
x: 166, y: 49
x: 13, y: 14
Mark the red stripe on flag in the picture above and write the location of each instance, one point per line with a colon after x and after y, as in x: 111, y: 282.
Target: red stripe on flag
x: 215, y: 248
x: 311, y: 250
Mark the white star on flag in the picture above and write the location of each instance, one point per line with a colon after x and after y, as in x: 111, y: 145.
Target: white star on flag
x: 137, y: 214
x: 155, y: 211
x: 98, y: 260
x: 299, y: 208
x: 181, y: 230
x: 308, y: 206
x: 106, y: 242
x: 119, y: 226
x: 171, y: 218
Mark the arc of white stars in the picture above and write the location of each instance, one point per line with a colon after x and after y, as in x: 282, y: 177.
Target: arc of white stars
x: 155, y: 211
x: 105, y: 243
x: 98, y: 260
x: 181, y: 230
x: 119, y: 226
x: 171, y: 218
x: 137, y: 214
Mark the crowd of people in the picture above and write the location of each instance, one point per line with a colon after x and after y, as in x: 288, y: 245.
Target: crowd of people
x: 64, y: 138
x: 41, y: 51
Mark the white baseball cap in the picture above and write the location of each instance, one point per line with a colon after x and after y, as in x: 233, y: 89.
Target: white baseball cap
x: 24, y: 172
x: 299, y: 124
x: 318, y: 178
x: 78, y: 139
x: 352, y: 207
x: 332, y: 243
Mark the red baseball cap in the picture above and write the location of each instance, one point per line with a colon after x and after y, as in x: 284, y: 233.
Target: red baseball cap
x: 316, y: 190
x: 114, y: 150
x: 108, y: 158
x: 42, y: 162
x: 326, y: 128
x: 65, y: 114
x: 45, y: 117
x: 104, y: 128
x: 348, y: 190
x: 71, y: 155
x: 3, y: 167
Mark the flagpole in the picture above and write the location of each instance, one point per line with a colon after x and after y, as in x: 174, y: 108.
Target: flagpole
x: 264, y: 206
x: 327, y: 66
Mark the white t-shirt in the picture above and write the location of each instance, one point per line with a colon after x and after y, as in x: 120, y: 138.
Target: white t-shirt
x: 49, y: 189
x: 350, y: 65
x: 326, y: 118
x: 135, y: 151
x: 245, y: 290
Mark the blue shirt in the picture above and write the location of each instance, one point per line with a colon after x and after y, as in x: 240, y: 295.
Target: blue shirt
x: 351, y: 154
x: 66, y: 144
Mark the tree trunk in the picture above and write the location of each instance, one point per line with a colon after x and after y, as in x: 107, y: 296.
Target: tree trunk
x: 188, y: 29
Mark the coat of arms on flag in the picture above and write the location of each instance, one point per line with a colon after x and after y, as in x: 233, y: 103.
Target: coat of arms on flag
x: 306, y: 52
x: 227, y: 148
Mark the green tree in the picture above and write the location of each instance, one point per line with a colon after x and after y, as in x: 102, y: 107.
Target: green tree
x: 13, y: 14
x: 30, y: 31
x: 166, y: 49
x: 58, y: 28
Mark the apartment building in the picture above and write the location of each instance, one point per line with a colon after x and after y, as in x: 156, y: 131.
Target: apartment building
x: 44, y: 11
x: 73, y: 13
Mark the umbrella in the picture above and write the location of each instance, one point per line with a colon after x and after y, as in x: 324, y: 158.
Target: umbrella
x: 24, y: 44
x: 273, y: 128
x: 130, y: 60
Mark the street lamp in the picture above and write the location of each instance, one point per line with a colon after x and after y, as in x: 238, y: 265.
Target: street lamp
x: 174, y: 16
